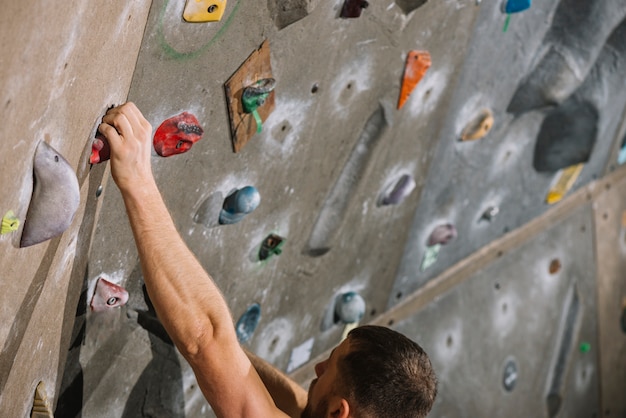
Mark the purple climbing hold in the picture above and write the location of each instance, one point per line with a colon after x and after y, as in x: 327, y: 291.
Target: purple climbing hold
x: 397, y: 192
x: 442, y: 235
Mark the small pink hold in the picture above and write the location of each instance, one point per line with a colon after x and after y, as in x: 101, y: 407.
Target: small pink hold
x: 442, y: 235
x: 107, y: 296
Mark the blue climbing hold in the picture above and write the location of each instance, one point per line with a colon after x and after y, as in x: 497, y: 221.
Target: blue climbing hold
x: 248, y: 322
x: 515, y: 6
x: 621, y: 158
x: 349, y: 308
x: 238, y: 204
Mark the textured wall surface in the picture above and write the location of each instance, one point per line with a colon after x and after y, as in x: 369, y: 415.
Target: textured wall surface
x: 552, y: 77
x: 60, y: 68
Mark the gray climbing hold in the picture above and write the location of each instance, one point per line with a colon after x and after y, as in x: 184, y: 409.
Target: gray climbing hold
x: 55, y: 198
x: 349, y: 308
x: 238, y: 204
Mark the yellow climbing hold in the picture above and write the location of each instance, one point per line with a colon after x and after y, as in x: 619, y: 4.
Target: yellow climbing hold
x: 10, y: 223
x: 204, y: 10
x: 478, y: 127
x: 565, y: 179
x: 41, y: 404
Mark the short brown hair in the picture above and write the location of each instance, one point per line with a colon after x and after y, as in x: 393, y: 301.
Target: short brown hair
x: 387, y: 375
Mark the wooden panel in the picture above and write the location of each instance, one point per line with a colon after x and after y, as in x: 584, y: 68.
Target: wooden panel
x: 610, y: 209
x: 256, y: 67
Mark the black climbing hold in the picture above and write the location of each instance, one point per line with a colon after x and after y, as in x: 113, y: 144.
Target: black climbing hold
x: 566, y: 137
x: 490, y: 213
x: 272, y: 245
x: 353, y: 8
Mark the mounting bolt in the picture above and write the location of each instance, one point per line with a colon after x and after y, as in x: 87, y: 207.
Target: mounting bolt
x: 509, y: 378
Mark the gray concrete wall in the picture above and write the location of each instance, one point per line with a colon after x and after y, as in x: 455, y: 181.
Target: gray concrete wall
x: 333, y: 143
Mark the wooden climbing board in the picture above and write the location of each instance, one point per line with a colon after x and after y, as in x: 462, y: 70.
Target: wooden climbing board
x: 256, y: 67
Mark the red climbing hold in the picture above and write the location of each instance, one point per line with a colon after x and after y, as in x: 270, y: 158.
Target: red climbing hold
x: 100, y: 150
x: 177, y: 134
x: 417, y: 63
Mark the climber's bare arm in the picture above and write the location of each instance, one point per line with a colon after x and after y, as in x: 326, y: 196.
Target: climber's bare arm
x: 289, y: 396
x: 187, y: 301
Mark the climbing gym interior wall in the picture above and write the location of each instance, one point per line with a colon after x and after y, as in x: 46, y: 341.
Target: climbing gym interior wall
x: 448, y: 168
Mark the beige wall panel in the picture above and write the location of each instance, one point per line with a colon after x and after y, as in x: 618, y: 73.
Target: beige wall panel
x: 610, y: 209
x: 62, y: 63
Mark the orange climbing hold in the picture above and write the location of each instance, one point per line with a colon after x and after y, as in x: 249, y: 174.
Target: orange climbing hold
x: 417, y: 63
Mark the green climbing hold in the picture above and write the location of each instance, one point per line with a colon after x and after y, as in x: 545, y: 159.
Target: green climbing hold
x: 255, y: 96
x: 430, y: 256
x: 506, y: 23
x: 585, y: 347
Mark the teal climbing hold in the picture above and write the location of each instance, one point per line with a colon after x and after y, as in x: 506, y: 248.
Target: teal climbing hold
x: 621, y: 158
x: 248, y: 322
x: 515, y: 6
x: 349, y: 308
x: 238, y: 204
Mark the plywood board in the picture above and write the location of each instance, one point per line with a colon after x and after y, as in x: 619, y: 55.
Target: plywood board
x: 256, y: 67
x: 610, y: 233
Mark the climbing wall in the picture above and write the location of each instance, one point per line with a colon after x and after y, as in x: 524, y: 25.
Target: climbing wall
x: 57, y: 78
x: 446, y: 168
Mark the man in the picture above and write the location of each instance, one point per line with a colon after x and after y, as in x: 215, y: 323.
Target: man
x: 375, y: 372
